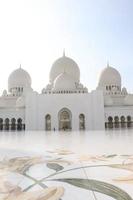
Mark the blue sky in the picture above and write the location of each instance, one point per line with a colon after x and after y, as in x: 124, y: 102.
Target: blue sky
x: 34, y: 33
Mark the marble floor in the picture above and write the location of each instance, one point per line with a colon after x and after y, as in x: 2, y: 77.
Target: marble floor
x: 66, y: 166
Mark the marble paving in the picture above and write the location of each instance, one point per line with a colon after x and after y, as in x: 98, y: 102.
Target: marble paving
x: 62, y: 174
x: 66, y: 166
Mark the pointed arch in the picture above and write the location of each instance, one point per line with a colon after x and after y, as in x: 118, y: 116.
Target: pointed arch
x: 110, y: 122
x: 123, y: 123
x: 13, y: 124
x: 116, y: 121
x: 65, y: 119
x: 19, y: 124
x: 82, y: 122
x: 7, y: 121
x: 129, y: 121
x: 1, y: 124
x: 48, y: 122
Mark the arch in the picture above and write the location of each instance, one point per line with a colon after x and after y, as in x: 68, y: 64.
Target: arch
x: 7, y: 124
x: 81, y: 122
x: 1, y: 124
x: 129, y: 121
x: 110, y: 122
x: 19, y: 124
x: 65, y: 119
x: 110, y: 119
x: 116, y: 119
x: 123, y: 124
x: 13, y: 124
x: 116, y: 122
x: 129, y: 118
x: 48, y: 122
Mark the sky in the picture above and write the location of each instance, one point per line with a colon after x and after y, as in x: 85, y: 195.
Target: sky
x: 34, y: 33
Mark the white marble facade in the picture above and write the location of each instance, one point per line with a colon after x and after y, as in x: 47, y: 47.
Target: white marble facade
x: 65, y: 103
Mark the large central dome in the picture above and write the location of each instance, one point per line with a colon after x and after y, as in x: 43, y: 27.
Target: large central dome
x: 65, y: 64
x: 64, y: 82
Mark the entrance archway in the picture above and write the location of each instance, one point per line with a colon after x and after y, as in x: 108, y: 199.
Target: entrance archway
x: 65, y: 120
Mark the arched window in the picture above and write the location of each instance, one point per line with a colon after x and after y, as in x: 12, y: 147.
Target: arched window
x: 65, y: 119
x: 13, y: 124
x: 81, y: 122
x: 129, y: 121
x: 1, y: 124
x: 19, y: 124
x: 47, y: 122
x: 7, y: 124
x: 110, y: 122
x: 123, y: 124
x: 116, y: 121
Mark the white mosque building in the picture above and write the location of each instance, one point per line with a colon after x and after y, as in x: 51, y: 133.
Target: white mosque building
x: 65, y: 103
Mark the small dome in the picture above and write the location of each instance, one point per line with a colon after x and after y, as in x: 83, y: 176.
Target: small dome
x: 64, y: 82
x: 4, y: 93
x: 19, y: 78
x: 65, y: 64
x: 124, y: 91
x: 109, y: 76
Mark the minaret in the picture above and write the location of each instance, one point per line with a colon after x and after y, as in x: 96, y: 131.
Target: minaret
x: 107, y: 63
x: 64, y: 52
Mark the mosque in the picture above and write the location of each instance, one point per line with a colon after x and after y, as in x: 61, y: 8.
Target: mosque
x: 65, y: 103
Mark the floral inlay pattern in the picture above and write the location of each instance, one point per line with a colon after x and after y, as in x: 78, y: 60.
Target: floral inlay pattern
x: 58, y: 172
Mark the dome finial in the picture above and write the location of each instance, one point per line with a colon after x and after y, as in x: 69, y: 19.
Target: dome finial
x: 64, y: 52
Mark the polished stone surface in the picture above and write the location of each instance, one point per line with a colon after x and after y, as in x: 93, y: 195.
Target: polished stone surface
x: 66, y: 166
